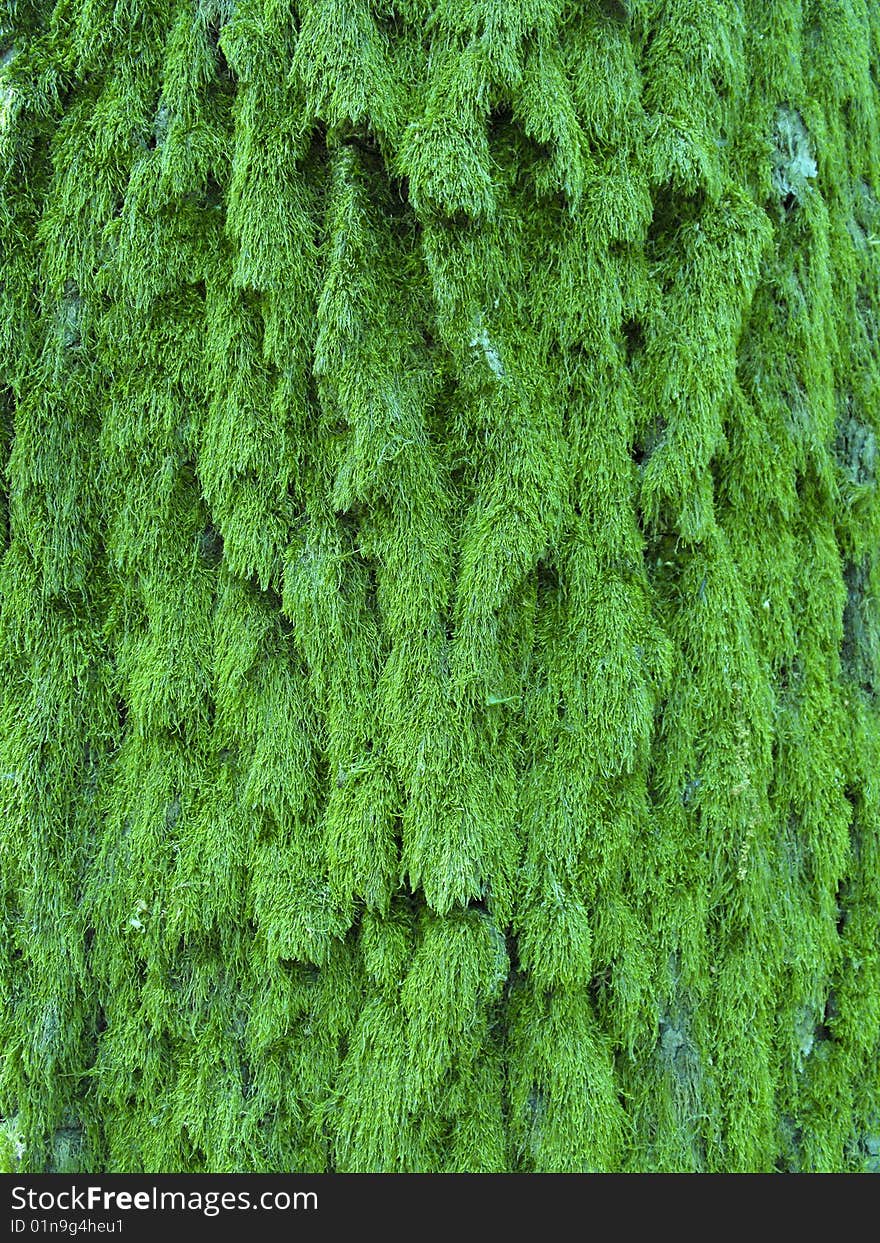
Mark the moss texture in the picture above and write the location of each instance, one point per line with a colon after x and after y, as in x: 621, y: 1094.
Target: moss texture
x: 441, y: 559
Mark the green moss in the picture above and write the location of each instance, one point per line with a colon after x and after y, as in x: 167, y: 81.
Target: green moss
x: 439, y: 584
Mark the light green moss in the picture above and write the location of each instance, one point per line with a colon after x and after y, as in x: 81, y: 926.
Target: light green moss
x: 439, y: 619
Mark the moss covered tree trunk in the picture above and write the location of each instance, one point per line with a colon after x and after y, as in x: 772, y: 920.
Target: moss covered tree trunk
x: 440, y: 577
